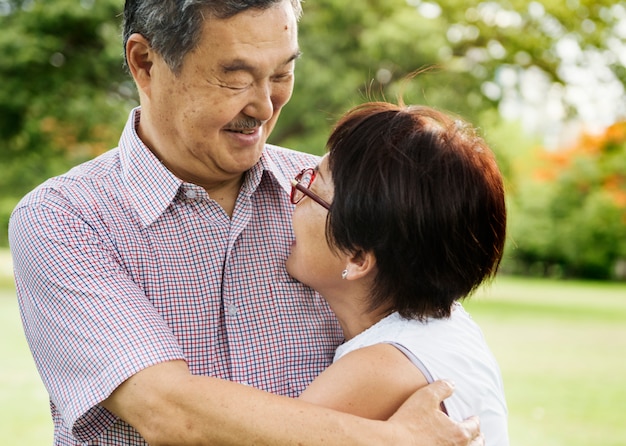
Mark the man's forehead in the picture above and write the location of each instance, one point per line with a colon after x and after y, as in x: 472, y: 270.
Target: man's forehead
x: 250, y: 40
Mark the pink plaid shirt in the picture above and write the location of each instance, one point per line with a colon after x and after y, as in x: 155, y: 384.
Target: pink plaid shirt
x: 120, y: 265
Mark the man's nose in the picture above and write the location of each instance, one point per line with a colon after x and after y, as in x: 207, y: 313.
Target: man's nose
x: 261, y: 106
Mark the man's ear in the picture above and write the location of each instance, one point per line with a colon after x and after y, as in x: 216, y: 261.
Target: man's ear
x: 360, y: 264
x: 140, y: 56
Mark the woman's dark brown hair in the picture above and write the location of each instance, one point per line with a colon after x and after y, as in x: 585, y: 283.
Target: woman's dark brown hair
x: 423, y: 192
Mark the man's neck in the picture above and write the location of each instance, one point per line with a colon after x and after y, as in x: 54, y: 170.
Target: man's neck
x: 225, y: 194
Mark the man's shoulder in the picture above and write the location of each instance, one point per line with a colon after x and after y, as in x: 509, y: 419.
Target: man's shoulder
x: 84, y: 179
x: 285, y: 163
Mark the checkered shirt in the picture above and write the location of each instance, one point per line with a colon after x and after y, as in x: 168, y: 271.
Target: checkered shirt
x: 120, y: 265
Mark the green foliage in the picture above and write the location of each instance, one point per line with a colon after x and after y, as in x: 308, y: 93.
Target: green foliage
x: 353, y: 51
x: 64, y: 94
x: 359, y: 51
x: 61, y: 65
x: 575, y: 224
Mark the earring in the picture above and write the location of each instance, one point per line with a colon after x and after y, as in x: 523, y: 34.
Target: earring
x: 344, y: 274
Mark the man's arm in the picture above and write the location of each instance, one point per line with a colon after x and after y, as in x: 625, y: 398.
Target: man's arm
x: 169, y: 405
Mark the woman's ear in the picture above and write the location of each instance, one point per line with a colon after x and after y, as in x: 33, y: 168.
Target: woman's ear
x: 139, y: 55
x: 360, y: 264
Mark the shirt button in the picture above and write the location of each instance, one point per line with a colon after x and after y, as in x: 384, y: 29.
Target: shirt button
x: 191, y: 194
x: 232, y: 310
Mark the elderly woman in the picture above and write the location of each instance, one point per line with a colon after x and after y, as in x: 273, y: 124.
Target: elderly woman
x: 404, y: 217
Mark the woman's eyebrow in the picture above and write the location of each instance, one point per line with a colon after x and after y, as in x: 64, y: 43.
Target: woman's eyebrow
x: 318, y: 171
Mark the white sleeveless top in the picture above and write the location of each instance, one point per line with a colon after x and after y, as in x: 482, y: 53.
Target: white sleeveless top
x: 455, y: 349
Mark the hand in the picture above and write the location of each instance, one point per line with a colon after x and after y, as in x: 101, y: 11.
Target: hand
x: 420, y: 421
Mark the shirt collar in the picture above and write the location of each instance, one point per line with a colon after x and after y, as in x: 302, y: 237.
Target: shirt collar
x: 152, y: 187
x: 268, y: 166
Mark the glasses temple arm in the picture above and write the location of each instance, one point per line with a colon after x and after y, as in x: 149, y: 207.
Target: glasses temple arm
x: 310, y: 194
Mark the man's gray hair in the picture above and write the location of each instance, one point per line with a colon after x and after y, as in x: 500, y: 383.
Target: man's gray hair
x: 174, y: 27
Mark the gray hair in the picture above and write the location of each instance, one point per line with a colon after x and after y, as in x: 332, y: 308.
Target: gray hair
x: 174, y: 27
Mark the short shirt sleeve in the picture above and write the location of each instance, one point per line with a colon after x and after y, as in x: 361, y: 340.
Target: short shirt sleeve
x: 89, y: 325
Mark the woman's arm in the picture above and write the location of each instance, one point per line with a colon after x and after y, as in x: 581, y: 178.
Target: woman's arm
x: 370, y: 382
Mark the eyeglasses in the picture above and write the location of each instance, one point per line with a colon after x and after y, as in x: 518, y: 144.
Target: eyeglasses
x: 300, y: 187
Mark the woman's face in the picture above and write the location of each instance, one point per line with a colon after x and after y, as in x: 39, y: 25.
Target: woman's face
x: 311, y: 260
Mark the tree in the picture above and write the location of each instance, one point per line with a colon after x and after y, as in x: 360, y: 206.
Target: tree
x: 64, y: 93
x: 571, y: 220
x: 355, y: 51
x: 481, y: 55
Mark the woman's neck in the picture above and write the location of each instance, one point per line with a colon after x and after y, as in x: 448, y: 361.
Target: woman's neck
x: 354, y: 316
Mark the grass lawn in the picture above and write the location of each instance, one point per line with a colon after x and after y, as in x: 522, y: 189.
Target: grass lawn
x: 24, y: 412
x: 560, y: 345
x: 561, y: 348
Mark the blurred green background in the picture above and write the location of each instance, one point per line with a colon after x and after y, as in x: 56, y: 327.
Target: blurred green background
x: 544, y: 83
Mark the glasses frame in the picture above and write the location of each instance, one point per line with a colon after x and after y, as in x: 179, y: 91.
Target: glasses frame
x: 297, y: 185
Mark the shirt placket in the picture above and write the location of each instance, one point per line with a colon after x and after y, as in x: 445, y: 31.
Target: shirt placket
x: 234, y: 291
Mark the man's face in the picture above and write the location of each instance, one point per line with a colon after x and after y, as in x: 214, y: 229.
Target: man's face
x: 209, y: 123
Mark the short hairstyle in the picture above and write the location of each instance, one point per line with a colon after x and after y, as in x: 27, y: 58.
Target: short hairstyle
x: 423, y: 192
x: 174, y: 27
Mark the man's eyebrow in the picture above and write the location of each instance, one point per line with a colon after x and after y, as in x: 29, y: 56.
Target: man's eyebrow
x: 242, y: 65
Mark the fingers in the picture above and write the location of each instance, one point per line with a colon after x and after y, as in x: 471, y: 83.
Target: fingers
x: 426, y: 402
x: 422, y: 419
x: 421, y: 422
x: 440, y: 390
x: 471, y: 428
x: 478, y: 441
x: 472, y: 425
